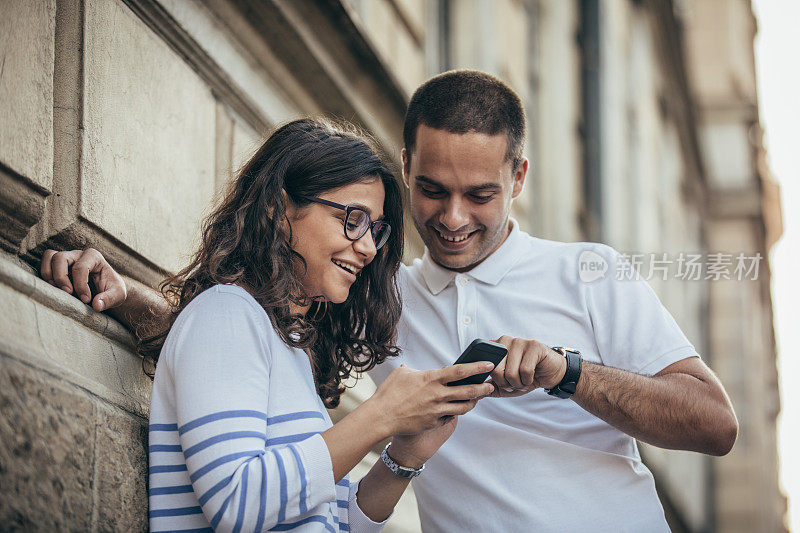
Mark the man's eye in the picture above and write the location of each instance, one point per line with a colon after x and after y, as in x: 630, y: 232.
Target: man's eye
x: 433, y: 193
x: 482, y: 198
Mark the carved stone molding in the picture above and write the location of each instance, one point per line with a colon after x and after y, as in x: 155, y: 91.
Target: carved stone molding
x: 325, y: 52
x: 318, y: 61
x: 316, y: 53
x: 21, y: 206
x: 26, y: 116
x: 63, y: 223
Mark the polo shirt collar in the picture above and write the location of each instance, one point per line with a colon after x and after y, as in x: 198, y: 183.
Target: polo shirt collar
x: 491, y: 270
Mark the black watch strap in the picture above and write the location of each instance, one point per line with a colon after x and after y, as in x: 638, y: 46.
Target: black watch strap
x: 566, y: 387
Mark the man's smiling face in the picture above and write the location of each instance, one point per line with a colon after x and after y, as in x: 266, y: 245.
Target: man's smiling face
x: 461, y: 189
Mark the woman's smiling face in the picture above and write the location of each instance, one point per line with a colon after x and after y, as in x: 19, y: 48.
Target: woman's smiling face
x: 333, y: 261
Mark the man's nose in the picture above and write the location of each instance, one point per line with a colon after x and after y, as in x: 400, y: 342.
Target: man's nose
x: 455, y: 214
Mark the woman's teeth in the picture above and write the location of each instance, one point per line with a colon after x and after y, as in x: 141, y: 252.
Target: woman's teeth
x: 350, y: 268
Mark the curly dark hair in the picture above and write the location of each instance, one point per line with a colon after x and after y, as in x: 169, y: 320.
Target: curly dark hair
x: 246, y: 241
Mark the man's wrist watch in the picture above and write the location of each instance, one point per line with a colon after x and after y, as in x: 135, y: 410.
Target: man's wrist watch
x: 398, y: 470
x: 566, y: 387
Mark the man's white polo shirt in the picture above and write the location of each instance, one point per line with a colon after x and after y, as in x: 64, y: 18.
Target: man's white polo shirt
x: 536, y: 463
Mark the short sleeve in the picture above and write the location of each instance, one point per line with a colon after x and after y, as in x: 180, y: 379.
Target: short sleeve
x: 632, y: 329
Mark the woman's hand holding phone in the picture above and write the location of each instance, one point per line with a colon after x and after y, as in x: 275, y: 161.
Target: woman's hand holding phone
x: 424, y: 409
x: 413, y: 401
x: 418, y: 411
x: 407, y: 403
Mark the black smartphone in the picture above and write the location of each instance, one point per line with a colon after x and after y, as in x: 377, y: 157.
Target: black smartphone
x: 480, y: 350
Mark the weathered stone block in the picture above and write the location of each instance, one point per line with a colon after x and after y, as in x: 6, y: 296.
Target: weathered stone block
x: 379, y: 22
x: 26, y: 88
x: 46, y: 452
x: 148, y: 147
x: 245, y: 142
x: 96, y: 358
x: 19, y: 318
x: 120, y: 473
x: 414, y: 12
x: 52, y: 341
x: 408, y: 62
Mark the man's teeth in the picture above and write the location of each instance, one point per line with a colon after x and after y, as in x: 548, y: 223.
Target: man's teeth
x: 454, y: 239
x: 350, y: 268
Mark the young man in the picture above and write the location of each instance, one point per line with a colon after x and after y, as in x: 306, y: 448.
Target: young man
x: 557, y: 448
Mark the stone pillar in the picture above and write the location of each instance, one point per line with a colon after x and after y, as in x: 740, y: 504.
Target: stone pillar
x: 742, y: 219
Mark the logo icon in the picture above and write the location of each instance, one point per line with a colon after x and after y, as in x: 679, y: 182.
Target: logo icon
x: 591, y: 266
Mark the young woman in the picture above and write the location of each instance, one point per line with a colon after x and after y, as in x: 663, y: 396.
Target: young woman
x: 292, y: 290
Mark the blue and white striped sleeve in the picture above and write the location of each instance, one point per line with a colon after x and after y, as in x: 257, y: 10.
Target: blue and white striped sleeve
x: 358, y: 522
x: 220, y: 369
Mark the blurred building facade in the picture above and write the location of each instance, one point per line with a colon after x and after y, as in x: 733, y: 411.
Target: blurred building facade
x: 121, y: 119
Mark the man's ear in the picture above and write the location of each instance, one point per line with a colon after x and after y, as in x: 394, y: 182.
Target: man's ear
x: 519, y: 177
x: 406, y: 167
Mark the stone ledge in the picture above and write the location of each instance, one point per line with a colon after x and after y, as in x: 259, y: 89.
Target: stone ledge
x: 111, y: 390
x: 34, y: 287
x: 47, y: 329
x: 21, y: 206
x: 739, y: 202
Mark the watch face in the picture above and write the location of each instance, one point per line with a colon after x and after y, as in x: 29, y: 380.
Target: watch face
x: 562, y: 349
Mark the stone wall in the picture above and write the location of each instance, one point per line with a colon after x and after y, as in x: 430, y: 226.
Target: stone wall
x: 74, y: 413
x: 119, y: 121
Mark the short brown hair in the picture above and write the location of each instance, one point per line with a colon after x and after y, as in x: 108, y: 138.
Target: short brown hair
x: 461, y: 101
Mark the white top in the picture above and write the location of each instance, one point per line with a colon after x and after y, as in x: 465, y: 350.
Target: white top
x: 535, y: 462
x: 234, y: 428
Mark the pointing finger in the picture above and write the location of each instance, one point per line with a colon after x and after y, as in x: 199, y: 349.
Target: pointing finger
x: 457, y: 372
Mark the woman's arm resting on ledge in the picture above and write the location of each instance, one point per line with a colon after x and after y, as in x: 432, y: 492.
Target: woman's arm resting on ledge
x: 142, y: 309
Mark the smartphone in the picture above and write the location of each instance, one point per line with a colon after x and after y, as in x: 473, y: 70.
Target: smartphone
x: 480, y: 350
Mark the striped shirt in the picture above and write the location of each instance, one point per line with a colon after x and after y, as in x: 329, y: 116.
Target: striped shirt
x: 235, y: 423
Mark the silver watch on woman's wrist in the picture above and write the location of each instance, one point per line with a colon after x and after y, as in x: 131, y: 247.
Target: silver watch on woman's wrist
x: 398, y: 470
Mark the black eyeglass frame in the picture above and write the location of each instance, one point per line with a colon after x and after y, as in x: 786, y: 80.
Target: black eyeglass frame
x: 349, y: 209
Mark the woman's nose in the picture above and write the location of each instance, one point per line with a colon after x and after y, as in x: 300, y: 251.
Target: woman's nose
x: 366, y: 246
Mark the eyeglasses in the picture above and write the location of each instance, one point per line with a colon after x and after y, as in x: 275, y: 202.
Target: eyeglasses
x: 357, y: 222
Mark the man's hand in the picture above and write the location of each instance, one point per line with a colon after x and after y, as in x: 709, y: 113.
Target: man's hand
x: 682, y: 407
x: 71, y: 272
x: 529, y: 365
